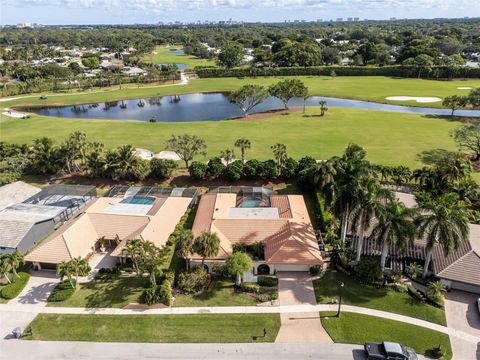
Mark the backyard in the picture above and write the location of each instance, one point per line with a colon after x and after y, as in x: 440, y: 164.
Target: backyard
x: 355, y: 293
x: 353, y: 328
x: 208, y: 328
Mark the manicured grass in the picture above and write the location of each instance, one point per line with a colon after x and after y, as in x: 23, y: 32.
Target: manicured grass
x: 389, y: 138
x: 370, y: 88
x: 353, y: 328
x: 355, y: 293
x: 163, y: 55
x: 111, y: 292
x: 208, y: 328
x: 220, y: 293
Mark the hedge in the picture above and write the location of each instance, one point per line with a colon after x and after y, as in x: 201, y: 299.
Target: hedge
x: 62, y: 291
x: 267, y: 281
x: 394, y: 70
x: 250, y: 287
x: 12, y: 290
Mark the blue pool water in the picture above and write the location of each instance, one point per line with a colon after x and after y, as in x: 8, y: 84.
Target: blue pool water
x: 250, y: 203
x: 141, y: 200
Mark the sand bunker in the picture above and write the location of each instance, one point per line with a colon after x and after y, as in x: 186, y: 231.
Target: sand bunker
x: 418, y: 99
x: 464, y: 88
x: 16, y: 115
x: 168, y: 155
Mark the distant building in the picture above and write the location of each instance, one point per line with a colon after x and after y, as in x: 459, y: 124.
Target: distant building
x: 339, y: 19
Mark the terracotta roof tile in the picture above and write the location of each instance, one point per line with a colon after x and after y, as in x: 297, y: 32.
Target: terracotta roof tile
x: 204, y: 216
x: 282, y: 204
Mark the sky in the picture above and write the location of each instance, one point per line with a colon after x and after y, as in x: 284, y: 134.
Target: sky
x: 57, y: 12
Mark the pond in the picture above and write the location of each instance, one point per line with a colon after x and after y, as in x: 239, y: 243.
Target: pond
x: 179, y: 66
x: 209, y: 106
x: 178, y: 51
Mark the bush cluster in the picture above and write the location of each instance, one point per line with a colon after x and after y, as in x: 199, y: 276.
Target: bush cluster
x: 315, y: 270
x: 250, y: 287
x: 369, y: 269
x: 267, y: 281
x: 12, y: 290
x: 394, y: 70
x: 61, y: 292
x: 193, y: 281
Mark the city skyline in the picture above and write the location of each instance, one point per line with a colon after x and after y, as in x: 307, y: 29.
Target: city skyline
x: 76, y: 12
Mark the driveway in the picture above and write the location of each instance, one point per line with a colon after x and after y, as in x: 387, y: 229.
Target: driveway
x: 296, y: 288
x: 33, y: 297
x: 462, y: 314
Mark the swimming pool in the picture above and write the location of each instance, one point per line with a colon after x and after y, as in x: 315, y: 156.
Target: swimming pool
x: 251, y: 203
x: 140, y: 200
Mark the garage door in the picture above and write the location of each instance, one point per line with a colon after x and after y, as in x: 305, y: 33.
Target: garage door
x: 465, y: 287
x: 292, y: 267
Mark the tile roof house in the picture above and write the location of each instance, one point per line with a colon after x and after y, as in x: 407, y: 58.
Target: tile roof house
x: 460, y: 269
x: 118, y: 219
x: 282, y: 224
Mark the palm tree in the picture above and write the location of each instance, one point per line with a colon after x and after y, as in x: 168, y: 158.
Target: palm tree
x: 5, y: 267
x: 15, y: 259
x: 79, y: 267
x: 184, y: 243
x: 280, y: 153
x: 369, y: 203
x: 323, y: 107
x: 228, y: 155
x: 443, y: 221
x: 436, y: 289
x: 65, y: 270
x: 395, y: 227
x: 133, y: 249
x: 206, y: 245
x: 243, y: 143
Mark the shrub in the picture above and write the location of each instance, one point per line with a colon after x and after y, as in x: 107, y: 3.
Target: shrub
x: 12, y: 290
x: 315, y: 270
x: 166, y: 293
x: 220, y: 270
x: 252, y: 169
x: 197, y: 170
x: 234, y: 171
x: 399, y: 287
x: 61, y: 292
x: 289, y: 169
x: 162, y: 168
x: 306, y: 163
x: 263, y: 298
x: 369, y: 269
x: 7, y: 177
x: 268, y: 170
x: 169, y: 276
x: 415, y: 270
x: 215, y: 167
x: 150, y: 295
x: 414, y: 293
x: 250, y: 287
x: 435, y: 353
x: 194, y: 281
x: 267, y: 281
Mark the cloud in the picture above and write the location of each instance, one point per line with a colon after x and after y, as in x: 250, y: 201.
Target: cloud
x: 161, y: 6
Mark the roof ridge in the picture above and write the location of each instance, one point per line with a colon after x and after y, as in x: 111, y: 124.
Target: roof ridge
x: 283, y: 242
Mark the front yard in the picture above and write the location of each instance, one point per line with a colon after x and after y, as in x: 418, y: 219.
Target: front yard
x: 208, y: 328
x: 355, y: 293
x: 353, y: 328
x: 115, y: 292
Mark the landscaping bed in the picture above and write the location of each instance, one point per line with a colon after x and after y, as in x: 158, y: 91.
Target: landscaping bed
x: 11, y: 291
x: 204, y: 328
x: 351, y: 328
x: 381, y: 298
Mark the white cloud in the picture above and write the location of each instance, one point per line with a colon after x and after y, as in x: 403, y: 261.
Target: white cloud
x: 160, y: 6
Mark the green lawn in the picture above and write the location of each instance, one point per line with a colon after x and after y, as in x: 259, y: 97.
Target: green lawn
x: 353, y: 328
x: 207, y: 328
x: 111, y: 292
x: 220, y: 293
x: 389, y: 138
x: 384, y: 299
x: 163, y: 55
x: 370, y: 88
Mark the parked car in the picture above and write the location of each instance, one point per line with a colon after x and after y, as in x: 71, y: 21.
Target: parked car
x: 389, y: 351
x: 478, y: 305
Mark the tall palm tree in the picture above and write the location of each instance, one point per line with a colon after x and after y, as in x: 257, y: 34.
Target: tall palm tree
x: 80, y: 267
x: 134, y: 249
x: 280, y: 153
x: 443, y: 221
x: 206, y: 245
x: 244, y: 144
x: 184, y: 243
x: 65, y: 270
x: 395, y: 228
x: 5, y: 267
x: 369, y: 204
x: 15, y: 259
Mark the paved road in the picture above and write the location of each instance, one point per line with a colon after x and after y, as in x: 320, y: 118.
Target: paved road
x: 43, y: 350
x: 462, y: 315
